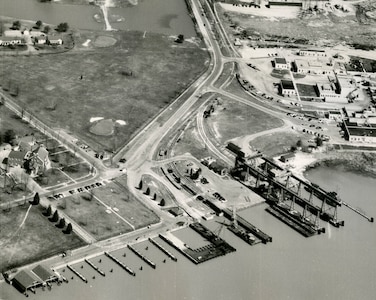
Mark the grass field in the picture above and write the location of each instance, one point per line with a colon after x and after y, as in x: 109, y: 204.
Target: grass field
x: 38, y: 237
x: 90, y: 210
x: 131, y: 81
x: 191, y: 143
x: 91, y: 215
x: 9, y: 120
x: 277, y: 143
x: 232, y: 119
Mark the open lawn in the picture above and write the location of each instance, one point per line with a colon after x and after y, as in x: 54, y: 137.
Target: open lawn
x: 131, y: 81
x: 116, y: 194
x: 232, y: 119
x: 36, y: 239
x: 91, y: 215
x: 191, y: 143
x: 9, y: 120
x: 277, y: 143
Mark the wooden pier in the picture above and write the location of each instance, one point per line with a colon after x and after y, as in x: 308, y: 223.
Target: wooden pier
x: 143, y: 257
x: 82, y: 277
x: 126, y: 268
x: 95, y: 267
x: 165, y: 251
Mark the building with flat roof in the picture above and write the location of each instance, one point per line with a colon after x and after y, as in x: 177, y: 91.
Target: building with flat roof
x: 312, y: 52
x: 314, y: 67
x: 287, y: 87
x: 328, y: 92
x: 280, y: 63
x: 346, y: 85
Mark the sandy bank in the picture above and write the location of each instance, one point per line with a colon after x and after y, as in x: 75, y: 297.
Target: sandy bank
x: 360, y: 162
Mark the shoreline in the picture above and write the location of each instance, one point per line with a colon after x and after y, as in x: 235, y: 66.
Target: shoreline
x: 359, y: 162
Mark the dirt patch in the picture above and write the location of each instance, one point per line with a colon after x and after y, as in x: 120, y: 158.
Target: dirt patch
x: 233, y: 119
x: 103, y: 127
x: 104, y: 41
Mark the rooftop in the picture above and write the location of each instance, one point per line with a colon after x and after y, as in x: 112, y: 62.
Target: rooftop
x: 280, y: 60
x: 43, y: 272
x: 362, y: 131
x: 287, y: 84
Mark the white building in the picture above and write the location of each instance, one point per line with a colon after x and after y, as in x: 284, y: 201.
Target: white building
x: 280, y: 63
x: 314, y: 67
x: 312, y: 52
x: 287, y: 88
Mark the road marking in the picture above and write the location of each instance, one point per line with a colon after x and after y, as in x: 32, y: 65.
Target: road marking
x: 112, y: 210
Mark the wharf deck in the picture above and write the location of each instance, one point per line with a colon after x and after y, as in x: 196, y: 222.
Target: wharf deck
x: 249, y: 227
x: 291, y: 221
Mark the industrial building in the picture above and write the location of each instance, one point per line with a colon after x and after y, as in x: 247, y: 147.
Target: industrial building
x: 287, y: 88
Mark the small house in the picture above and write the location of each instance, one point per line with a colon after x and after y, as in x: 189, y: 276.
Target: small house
x: 287, y: 157
x: 55, y: 40
x: 16, y: 158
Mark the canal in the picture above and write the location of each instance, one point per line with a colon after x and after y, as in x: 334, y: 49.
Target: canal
x: 160, y: 16
x: 336, y: 265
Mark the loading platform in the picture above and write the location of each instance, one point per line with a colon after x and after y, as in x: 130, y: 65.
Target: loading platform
x: 291, y: 221
x: 218, y: 246
x: 285, y: 192
x: 248, y: 226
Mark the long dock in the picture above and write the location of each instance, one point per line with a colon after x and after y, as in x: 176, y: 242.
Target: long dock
x: 288, y: 219
x: 248, y: 226
x: 95, y: 267
x: 143, y: 257
x: 370, y: 219
x: 181, y: 250
x: 82, y: 277
x: 165, y: 251
x: 126, y: 268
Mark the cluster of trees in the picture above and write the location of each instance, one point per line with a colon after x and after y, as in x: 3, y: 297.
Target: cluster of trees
x: 148, y: 192
x: 62, y: 27
x: 7, y: 137
x: 180, y: 39
x: 16, y: 25
x: 55, y: 218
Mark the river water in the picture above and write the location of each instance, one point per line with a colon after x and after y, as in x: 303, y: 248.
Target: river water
x: 160, y: 16
x: 339, y: 264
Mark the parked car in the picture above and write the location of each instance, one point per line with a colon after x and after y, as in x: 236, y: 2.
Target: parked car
x: 72, y: 192
x: 80, y: 190
x: 98, y: 184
